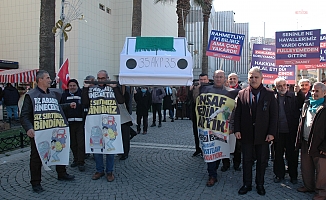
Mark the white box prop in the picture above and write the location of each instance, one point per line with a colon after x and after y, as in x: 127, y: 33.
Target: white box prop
x: 165, y: 68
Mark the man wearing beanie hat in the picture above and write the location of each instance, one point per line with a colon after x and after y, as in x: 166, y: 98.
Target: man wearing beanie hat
x: 76, y: 123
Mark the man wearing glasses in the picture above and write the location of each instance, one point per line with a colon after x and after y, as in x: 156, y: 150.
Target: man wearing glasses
x: 221, y: 92
x: 102, y: 76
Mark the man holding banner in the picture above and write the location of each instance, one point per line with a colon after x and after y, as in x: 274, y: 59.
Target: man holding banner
x: 255, y: 123
x: 214, y: 107
x: 45, y: 124
x: 107, y: 120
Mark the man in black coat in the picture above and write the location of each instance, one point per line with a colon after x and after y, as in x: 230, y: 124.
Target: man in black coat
x: 143, y: 99
x: 76, y: 123
x: 255, y: 124
x: 289, y: 106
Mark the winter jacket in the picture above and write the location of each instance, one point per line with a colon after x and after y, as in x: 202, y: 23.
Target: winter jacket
x: 10, y: 96
x: 317, y: 135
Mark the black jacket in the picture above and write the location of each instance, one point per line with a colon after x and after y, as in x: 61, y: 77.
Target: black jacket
x: 73, y: 114
x: 10, y: 96
x: 292, y: 107
x: 144, y: 102
x: 266, y: 117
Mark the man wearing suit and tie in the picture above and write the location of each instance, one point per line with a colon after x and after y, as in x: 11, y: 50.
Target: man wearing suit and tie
x: 255, y: 124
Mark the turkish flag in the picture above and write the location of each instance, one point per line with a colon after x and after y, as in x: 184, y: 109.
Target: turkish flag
x: 63, y: 74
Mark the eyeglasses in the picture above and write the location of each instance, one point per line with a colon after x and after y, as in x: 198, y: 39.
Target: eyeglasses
x: 101, y: 78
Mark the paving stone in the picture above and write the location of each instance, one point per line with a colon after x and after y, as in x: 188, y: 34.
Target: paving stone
x: 160, y: 166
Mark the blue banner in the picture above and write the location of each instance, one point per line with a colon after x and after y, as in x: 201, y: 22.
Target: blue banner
x: 298, y: 47
x: 225, y: 45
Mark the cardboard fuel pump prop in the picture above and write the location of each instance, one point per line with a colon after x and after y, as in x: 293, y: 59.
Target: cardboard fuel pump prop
x: 155, y: 61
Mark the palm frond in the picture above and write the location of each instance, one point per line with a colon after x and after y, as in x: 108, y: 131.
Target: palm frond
x: 163, y: 1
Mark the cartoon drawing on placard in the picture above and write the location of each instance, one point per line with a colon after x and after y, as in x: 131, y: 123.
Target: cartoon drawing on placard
x: 58, y: 143
x: 44, y: 151
x: 96, y: 140
x: 110, y: 131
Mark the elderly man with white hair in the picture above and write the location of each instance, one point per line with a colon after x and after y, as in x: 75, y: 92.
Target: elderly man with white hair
x: 289, y: 106
x: 311, y: 138
x: 233, y: 80
x: 304, y: 85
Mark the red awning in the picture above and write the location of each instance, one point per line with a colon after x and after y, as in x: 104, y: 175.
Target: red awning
x: 18, y: 76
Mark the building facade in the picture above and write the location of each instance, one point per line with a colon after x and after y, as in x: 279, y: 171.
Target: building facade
x: 93, y: 44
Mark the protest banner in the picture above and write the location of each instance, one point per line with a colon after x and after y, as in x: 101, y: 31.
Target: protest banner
x: 287, y: 72
x: 225, y: 45
x: 213, y: 114
x: 103, y: 126
x: 52, y: 137
x: 298, y: 47
x: 263, y: 56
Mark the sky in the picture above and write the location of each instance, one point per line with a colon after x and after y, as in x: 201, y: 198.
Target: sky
x: 278, y: 15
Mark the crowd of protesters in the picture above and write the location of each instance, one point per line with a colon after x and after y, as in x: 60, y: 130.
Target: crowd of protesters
x: 293, y: 121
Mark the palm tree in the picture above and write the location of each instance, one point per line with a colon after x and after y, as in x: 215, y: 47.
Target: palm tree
x: 47, y: 40
x: 136, y: 18
x: 183, y: 8
x: 206, y: 6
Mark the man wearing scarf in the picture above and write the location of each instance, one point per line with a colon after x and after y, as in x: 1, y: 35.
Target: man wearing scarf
x: 234, y: 81
x: 255, y: 124
x: 311, y: 138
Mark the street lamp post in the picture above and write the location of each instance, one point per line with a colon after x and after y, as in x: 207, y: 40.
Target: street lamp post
x: 64, y: 26
x: 62, y: 18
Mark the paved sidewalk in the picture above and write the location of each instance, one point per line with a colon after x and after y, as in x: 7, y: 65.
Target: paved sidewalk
x: 160, y: 166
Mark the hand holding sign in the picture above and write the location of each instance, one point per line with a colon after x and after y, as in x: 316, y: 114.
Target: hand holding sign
x: 30, y: 133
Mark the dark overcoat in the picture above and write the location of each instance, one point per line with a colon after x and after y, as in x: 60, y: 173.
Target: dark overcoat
x: 292, y: 108
x: 266, y: 117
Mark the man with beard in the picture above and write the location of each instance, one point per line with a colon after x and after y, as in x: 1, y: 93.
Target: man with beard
x: 255, y: 124
x: 289, y: 113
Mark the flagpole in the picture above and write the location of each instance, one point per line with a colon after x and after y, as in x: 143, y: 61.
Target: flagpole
x: 62, y: 17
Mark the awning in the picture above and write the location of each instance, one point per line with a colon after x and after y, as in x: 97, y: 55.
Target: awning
x: 18, y: 76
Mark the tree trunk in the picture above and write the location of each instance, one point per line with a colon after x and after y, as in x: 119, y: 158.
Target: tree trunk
x: 183, y: 7
x: 136, y: 18
x: 47, y: 40
x: 206, y: 9
x: 205, y: 43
